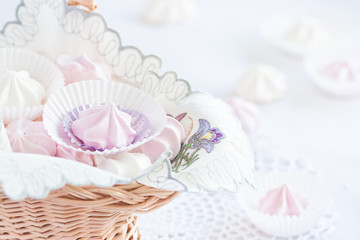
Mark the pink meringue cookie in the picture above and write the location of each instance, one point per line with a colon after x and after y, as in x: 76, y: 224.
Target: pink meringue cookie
x: 26, y: 136
x: 68, y: 153
x: 171, y: 138
x: 247, y: 112
x: 342, y: 71
x: 282, y: 201
x: 81, y: 68
x: 104, y: 127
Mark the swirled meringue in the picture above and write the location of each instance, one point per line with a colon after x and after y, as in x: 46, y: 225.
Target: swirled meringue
x: 81, y: 68
x: 247, y: 112
x: 18, y: 89
x: 68, y: 153
x: 4, y: 139
x: 307, y: 32
x: 283, y: 201
x: 171, y: 138
x: 343, y: 71
x: 337, y: 74
x: 104, y: 127
x: 124, y: 164
x: 262, y: 83
x: 26, y: 136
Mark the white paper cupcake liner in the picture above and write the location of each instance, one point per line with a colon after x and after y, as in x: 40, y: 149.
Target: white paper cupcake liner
x: 316, y: 193
x: 40, y: 69
x: 314, y: 65
x: 88, y: 93
x: 139, y: 123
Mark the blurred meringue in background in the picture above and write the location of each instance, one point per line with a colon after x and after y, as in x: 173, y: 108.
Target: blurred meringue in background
x: 297, y: 35
x: 248, y: 114
x: 163, y: 12
x: 308, y: 32
x: 337, y: 74
x: 262, y: 83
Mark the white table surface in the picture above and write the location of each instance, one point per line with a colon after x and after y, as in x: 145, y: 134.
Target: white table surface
x: 211, y: 51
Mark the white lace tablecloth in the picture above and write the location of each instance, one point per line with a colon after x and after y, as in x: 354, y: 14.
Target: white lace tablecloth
x: 205, y: 216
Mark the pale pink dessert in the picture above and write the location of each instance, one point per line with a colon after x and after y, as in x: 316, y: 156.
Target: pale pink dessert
x: 26, y: 136
x: 342, y: 71
x: 68, y: 153
x: 104, y: 127
x: 283, y: 201
x: 247, y: 112
x: 81, y: 68
x: 170, y: 138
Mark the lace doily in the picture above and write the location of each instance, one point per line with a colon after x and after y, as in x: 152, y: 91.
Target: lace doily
x: 218, y: 215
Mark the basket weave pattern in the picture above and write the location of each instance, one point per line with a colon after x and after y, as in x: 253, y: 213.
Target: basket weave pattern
x: 79, y: 213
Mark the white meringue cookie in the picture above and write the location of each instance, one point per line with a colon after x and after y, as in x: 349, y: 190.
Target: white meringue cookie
x: 298, y: 35
x: 124, y: 164
x: 262, y: 83
x: 168, y: 11
x: 18, y: 89
x: 27, y: 80
x: 307, y: 32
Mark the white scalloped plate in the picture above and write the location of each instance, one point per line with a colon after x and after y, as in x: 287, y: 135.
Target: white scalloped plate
x: 224, y: 164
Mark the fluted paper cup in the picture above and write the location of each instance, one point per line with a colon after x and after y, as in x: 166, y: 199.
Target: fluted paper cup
x: 83, y: 95
x: 40, y: 69
x: 315, y: 192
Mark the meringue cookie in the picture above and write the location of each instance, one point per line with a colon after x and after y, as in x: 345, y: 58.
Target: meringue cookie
x: 82, y: 68
x: 282, y: 201
x: 336, y: 74
x: 124, y: 164
x: 247, y: 112
x: 262, y: 83
x: 4, y: 139
x: 307, y: 32
x: 104, y: 127
x: 278, y: 211
x: 68, y: 153
x: 343, y: 71
x: 170, y: 138
x: 169, y: 11
x: 18, y: 89
x: 26, y: 136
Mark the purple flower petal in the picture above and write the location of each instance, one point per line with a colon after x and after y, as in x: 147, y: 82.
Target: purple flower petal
x: 207, y: 145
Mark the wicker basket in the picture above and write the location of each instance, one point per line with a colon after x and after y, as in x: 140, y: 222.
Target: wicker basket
x: 74, y: 212
x: 79, y: 213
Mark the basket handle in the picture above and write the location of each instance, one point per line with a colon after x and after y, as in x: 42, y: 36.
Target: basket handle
x: 88, y: 4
